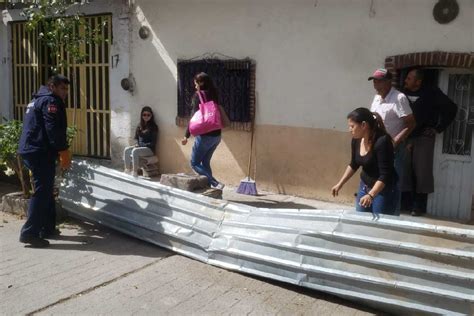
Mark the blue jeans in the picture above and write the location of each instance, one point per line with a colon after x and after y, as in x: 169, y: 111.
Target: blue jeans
x: 42, y: 209
x: 203, y: 149
x: 399, y: 164
x: 383, y: 203
x: 131, y: 156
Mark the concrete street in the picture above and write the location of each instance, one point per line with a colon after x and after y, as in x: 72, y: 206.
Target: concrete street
x: 93, y: 270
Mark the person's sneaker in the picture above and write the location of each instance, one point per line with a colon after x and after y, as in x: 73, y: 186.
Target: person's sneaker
x: 34, y: 242
x: 219, y: 186
x: 50, y: 235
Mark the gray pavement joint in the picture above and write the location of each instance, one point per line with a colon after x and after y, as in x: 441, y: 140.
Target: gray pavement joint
x: 103, y: 284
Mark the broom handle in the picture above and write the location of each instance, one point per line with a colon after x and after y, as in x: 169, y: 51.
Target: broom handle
x: 250, y: 154
x: 251, y: 138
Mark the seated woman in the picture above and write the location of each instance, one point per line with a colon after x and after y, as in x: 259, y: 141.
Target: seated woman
x: 146, y: 135
x: 372, y: 148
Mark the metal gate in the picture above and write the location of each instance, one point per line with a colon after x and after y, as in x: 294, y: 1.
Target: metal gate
x: 88, y: 104
x: 453, y: 157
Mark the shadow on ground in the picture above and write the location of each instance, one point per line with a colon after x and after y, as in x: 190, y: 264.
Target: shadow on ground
x: 86, y: 236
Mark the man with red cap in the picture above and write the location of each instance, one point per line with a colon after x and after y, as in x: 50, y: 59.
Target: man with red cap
x: 394, y: 108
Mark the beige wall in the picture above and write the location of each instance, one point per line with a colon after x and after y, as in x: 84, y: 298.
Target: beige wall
x: 297, y: 161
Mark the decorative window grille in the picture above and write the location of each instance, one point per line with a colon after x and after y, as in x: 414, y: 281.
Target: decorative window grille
x: 234, y: 80
x: 457, y: 139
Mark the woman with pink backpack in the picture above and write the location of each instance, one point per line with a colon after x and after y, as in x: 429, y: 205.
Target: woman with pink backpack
x: 207, y: 138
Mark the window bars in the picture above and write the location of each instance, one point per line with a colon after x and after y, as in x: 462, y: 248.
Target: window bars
x: 235, y: 83
x: 457, y: 139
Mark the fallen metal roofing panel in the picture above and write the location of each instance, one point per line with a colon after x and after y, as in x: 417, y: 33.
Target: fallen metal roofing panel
x: 394, y: 264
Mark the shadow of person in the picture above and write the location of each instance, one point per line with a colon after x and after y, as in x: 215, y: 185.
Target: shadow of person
x: 84, y: 235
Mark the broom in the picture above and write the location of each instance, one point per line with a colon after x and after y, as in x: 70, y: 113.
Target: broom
x: 248, y: 186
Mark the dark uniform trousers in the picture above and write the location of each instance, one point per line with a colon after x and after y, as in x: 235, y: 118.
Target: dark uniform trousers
x: 41, y: 210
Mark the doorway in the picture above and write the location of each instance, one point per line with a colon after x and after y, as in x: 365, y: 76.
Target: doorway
x: 453, y: 157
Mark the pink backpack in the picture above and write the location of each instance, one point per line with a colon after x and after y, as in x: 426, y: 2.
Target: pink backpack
x: 206, y: 119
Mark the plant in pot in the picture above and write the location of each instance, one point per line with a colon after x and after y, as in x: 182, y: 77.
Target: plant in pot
x: 10, y: 132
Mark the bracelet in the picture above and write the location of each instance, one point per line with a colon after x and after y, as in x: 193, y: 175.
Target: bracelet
x: 370, y: 196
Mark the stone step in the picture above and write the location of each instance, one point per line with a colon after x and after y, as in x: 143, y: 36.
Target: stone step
x: 185, y: 182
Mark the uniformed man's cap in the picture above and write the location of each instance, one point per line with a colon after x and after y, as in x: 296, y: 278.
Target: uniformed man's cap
x: 57, y: 79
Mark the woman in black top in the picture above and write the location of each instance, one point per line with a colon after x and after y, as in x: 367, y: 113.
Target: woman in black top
x: 205, y: 144
x: 146, y: 135
x: 372, y: 148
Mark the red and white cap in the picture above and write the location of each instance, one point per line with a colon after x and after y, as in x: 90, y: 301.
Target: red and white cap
x: 381, y: 74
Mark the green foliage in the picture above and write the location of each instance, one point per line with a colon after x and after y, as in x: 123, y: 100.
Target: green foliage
x: 61, y: 27
x: 10, y: 133
x: 71, y: 133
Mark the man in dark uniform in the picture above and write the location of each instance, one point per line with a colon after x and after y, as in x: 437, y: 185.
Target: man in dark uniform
x: 44, y: 138
x: 433, y: 111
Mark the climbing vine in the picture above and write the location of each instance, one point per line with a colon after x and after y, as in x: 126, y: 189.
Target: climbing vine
x: 63, y: 30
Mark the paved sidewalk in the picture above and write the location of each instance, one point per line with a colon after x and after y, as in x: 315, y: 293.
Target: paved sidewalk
x: 273, y: 200
x: 92, y: 270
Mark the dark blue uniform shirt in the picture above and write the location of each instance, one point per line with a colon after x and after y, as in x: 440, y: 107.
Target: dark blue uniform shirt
x: 44, y: 125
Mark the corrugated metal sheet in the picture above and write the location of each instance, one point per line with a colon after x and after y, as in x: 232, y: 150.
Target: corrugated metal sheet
x: 453, y: 199
x: 393, y: 264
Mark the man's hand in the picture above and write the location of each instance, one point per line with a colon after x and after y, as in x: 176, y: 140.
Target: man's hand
x: 65, y: 159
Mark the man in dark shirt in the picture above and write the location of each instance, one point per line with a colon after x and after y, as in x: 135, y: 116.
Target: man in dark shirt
x: 433, y: 112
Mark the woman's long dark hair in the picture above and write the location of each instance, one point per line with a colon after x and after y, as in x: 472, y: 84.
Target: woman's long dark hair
x: 151, y: 124
x: 205, y: 83
x: 373, y: 119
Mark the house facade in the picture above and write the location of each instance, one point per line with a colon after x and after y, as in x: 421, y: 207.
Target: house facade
x: 311, y: 61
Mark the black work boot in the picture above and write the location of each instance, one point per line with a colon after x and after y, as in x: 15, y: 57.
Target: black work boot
x: 50, y: 234
x: 34, y: 242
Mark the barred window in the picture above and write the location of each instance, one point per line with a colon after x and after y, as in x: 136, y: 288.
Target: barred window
x: 234, y: 80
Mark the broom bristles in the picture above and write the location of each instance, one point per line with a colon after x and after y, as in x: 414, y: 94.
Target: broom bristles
x: 247, y: 186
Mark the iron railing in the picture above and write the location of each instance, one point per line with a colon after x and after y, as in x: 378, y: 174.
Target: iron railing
x: 233, y: 79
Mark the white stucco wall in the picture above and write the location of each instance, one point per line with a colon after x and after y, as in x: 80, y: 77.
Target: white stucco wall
x: 5, y: 75
x: 313, y: 56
